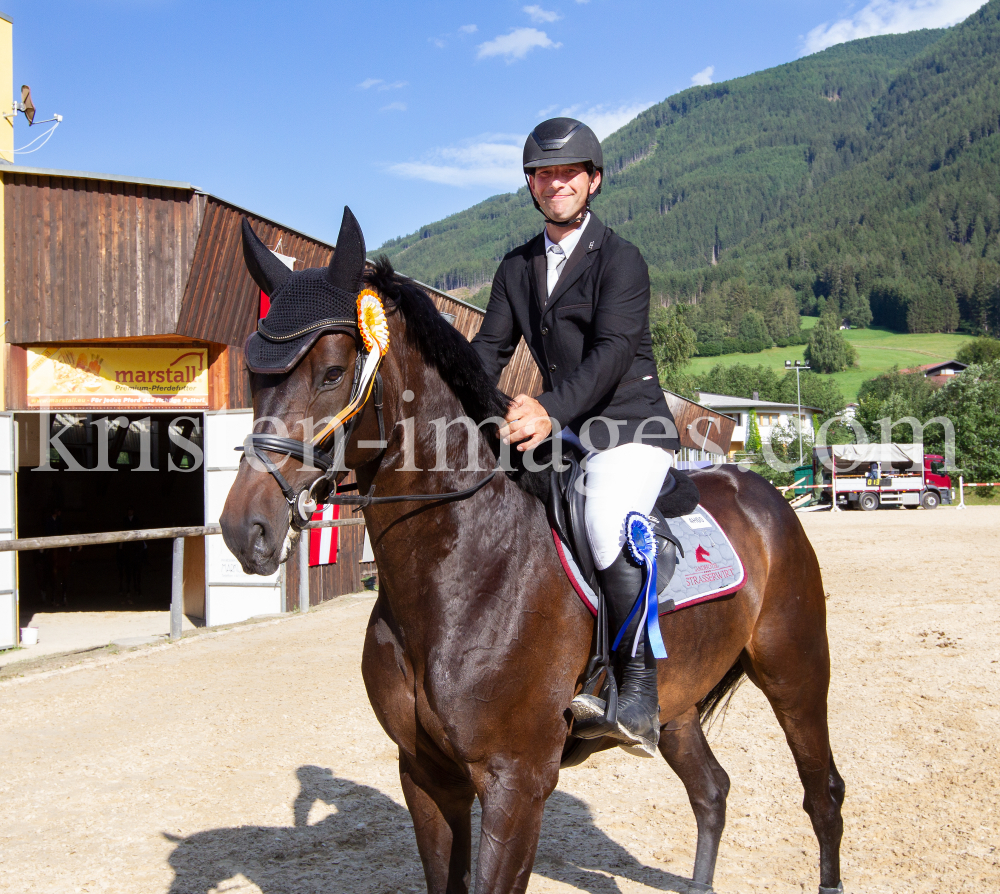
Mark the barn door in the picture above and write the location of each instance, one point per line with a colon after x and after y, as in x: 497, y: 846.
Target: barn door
x: 230, y: 594
x: 8, y: 565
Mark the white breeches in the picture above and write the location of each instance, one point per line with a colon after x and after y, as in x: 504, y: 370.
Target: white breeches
x: 619, y: 481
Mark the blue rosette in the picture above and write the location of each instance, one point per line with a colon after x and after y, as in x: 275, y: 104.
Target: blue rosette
x: 641, y: 543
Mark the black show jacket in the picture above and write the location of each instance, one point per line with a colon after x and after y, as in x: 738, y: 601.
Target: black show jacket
x: 590, y: 338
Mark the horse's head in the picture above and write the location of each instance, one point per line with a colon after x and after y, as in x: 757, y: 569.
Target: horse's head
x: 305, y: 377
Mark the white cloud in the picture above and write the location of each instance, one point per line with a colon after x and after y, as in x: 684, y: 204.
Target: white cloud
x: 704, y: 77
x: 517, y: 44
x: 489, y: 160
x: 442, y: 41
x: 604, y: 120
x: 538, y: 15
x: 394, y: 107
x: 368, y: 83
x: 889, y: 17
x: 495, y: 159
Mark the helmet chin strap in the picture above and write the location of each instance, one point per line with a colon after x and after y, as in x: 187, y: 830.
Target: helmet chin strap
x: 576, y: 221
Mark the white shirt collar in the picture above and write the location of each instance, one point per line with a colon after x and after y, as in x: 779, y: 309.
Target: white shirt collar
x: 570, y: 242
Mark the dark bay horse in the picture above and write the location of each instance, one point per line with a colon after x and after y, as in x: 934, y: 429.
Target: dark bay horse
x: 477, y: 642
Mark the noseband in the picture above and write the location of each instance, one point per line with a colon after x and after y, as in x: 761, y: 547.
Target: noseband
x: 303, y: 502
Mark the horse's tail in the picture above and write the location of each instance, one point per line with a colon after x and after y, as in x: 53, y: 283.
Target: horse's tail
x: 718, y: 699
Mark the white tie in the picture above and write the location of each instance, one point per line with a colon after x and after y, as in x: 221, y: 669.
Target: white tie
x: 555, y: 258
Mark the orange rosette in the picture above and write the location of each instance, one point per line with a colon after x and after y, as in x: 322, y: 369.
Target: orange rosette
x: 372, y: 322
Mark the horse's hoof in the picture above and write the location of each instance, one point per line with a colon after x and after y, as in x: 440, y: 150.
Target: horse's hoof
x: 699, y: 888
x: 838, y: 890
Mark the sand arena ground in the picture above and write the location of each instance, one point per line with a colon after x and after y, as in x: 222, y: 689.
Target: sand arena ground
x: 251, y: 761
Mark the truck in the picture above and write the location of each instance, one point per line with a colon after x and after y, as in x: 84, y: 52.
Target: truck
x: 870, y: 476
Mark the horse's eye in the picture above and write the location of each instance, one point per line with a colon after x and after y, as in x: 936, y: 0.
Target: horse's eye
x: 333, y: 375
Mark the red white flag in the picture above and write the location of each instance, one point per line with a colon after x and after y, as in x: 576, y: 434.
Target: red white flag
x: 323, y: 541
x: 289, y: 262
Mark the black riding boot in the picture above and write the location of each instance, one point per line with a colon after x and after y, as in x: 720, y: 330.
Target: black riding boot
x: 638, y: 704
x: 638, y: 727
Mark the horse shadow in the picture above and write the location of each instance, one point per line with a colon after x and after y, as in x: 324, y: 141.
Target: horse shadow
x: 367, y: 845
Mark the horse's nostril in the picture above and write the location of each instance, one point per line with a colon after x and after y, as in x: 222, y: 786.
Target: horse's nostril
x: 258, y: 536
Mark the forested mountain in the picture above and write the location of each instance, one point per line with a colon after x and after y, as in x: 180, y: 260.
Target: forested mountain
x: 867, y: 175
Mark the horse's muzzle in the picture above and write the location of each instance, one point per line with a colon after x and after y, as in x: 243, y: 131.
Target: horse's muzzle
x: 255, y: 542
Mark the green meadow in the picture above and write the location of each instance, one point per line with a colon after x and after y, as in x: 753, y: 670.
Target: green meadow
x: 878, y: 350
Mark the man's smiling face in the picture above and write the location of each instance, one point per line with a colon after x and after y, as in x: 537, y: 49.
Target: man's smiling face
x: 562, y: 190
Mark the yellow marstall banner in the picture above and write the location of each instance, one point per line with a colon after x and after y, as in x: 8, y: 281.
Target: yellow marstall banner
x: 65, y: 376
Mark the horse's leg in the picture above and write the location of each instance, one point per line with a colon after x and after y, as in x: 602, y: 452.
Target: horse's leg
x: 789, y: 659
x: 442, y: 820
x: 513, y: 801
x: 686, y: 750
x: 438, y: 796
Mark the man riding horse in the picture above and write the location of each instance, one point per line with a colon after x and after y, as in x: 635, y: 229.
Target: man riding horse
x: 477, y: 640
x: 579, y: 294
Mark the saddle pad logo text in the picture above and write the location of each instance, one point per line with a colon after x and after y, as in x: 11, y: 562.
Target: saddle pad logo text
x: 709, y: 566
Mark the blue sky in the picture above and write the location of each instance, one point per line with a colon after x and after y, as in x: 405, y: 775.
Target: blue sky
x: 406, y: 111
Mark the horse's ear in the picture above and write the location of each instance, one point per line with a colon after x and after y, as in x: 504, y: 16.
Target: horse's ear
x: 267, y: 271
x: 348, y: 264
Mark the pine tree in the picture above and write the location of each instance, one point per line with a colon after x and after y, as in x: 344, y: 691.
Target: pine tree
x: 673, y: 339
x: 754, y: 443
x: 857, y: 309
x: 828, y: 351
x: 753, y: 328
x: 782, y: 314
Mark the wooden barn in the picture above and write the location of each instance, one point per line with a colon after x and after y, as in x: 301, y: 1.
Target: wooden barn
x: 126, y: 303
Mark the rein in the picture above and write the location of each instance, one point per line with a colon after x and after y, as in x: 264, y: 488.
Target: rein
x: 302, y: 503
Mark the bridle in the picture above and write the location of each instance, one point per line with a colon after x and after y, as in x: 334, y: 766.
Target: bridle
x: 302, y: 503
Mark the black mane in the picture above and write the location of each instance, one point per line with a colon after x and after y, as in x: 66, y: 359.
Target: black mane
x: 440, y: 344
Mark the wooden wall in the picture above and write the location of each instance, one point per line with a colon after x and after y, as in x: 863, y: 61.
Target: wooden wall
x: 693, y: 429
x: 95, y: 259
x: 221, y: 300
x: 239, y: 380
x: 89, y: 259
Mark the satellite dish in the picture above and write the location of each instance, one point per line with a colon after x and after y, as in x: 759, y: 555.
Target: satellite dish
x: 27, y: 106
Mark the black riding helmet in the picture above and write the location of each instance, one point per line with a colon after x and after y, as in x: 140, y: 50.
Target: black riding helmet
x: 562, y: 141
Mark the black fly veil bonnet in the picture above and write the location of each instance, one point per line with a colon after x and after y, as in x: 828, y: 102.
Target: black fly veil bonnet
x: 304, y: 304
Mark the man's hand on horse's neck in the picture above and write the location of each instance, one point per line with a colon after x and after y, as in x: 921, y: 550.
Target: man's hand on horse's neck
x: 527, y: 421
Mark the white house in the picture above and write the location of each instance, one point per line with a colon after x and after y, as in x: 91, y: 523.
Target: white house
x: 769, y: 415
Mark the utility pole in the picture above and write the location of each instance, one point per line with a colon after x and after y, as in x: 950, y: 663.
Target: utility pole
x: 798, y: 367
